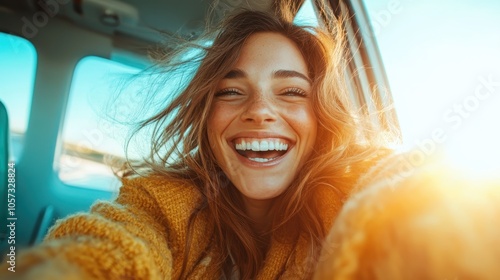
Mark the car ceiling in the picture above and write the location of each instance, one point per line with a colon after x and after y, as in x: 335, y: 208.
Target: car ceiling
x: 137, y: 19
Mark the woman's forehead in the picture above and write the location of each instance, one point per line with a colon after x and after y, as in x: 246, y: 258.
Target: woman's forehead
x: 268, y: 51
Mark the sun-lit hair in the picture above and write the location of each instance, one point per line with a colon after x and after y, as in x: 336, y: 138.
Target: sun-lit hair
x: 181, y: 150
x: 432, y: 223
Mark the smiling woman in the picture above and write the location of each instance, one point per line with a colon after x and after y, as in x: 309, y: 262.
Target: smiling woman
x: 265, y: 102
x: 270, y: 140
x: 251, y: 161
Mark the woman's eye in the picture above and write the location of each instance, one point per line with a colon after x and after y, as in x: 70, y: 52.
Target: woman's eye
x: 294, y: 92
x: 228, y: 92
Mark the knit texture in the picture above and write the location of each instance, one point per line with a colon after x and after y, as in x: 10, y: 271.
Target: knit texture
x: 142, y: 235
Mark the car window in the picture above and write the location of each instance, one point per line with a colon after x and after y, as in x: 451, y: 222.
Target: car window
x: 95, y: 125
x: 442, y: 63
x: 17, y: 74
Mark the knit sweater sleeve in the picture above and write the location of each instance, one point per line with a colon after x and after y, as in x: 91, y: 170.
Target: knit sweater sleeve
x: 123, y: 239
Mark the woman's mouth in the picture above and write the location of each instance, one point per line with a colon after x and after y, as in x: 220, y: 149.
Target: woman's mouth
x: 261, y: 150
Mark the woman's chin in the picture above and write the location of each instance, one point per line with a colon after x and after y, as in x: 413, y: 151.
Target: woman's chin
x: 262, y: 188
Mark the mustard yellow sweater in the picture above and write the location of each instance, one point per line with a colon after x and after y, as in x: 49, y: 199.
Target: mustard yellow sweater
x: 142, y: 235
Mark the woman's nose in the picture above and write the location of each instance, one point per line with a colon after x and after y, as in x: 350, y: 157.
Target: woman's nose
x: 259, y: 110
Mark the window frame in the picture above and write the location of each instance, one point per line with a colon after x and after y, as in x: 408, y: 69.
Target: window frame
x: 366, y: 76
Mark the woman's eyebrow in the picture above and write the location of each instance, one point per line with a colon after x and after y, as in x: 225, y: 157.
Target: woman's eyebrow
x: 291, y: 74
x: 238, y: 73
x: 235, y: 74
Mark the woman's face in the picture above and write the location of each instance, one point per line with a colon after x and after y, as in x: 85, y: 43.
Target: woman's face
x: 262, y: 127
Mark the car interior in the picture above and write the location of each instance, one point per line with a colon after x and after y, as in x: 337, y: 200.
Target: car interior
x: 69, y: 41
x: 64, y: 34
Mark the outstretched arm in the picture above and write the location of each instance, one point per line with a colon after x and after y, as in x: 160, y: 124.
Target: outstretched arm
x: 123, y: 239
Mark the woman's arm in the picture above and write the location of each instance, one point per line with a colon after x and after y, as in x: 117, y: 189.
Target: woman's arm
x: 124, y: 239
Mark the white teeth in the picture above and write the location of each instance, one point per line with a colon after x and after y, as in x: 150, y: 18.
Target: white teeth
x: 264, y: 146
x: 271, y: 145
x: 255, y: 146
x: 261, y: 146
x: 261, y: 159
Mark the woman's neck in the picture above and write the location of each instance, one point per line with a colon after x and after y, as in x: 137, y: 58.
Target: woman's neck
x: 258, y: 211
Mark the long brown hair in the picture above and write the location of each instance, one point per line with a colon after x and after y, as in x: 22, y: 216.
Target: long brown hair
x: 181, y: 151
